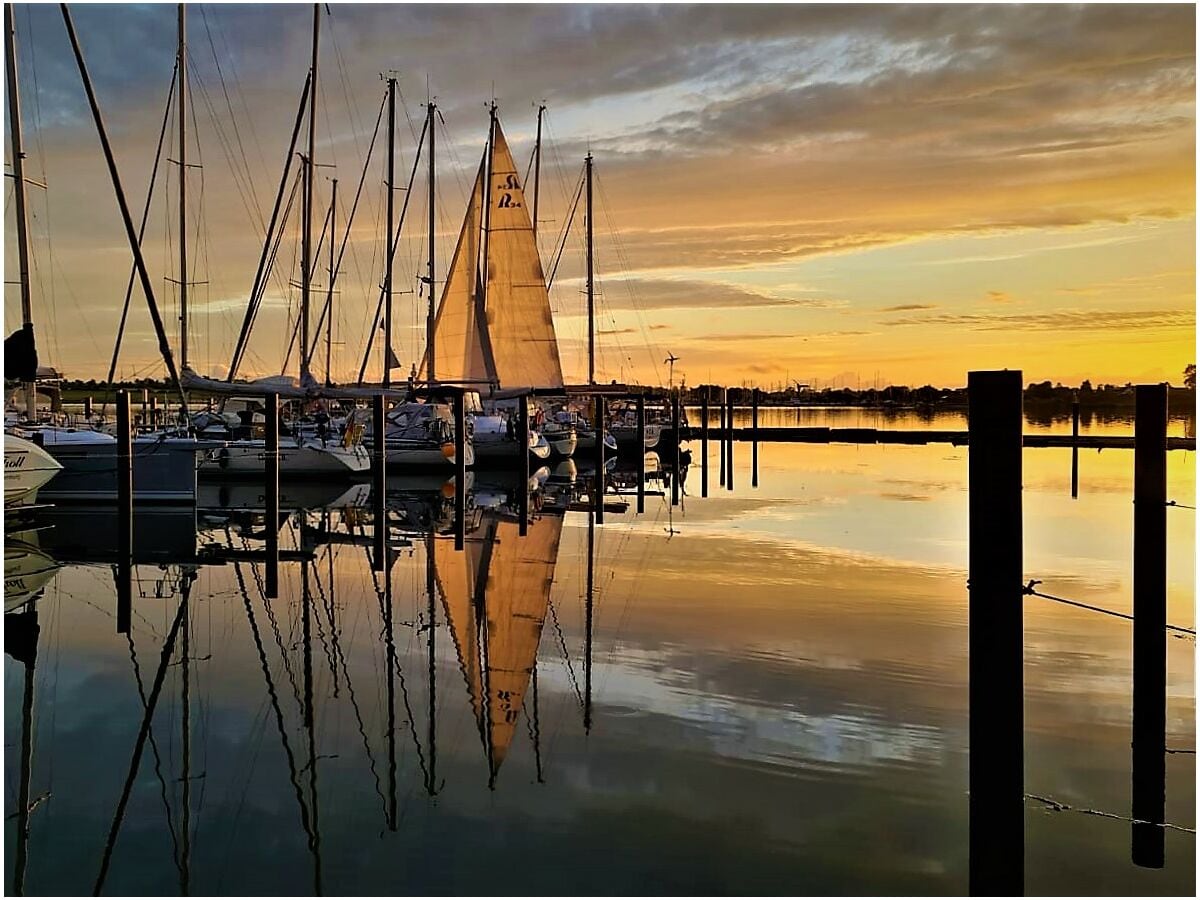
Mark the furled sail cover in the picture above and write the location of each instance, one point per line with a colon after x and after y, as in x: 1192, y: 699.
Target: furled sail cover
x: 20, y: 355
x: 458, y: 341
x: 520, y: 325
x: 518, y: 596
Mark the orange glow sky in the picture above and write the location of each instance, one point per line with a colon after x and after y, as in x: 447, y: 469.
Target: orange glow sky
x: 837, y: 195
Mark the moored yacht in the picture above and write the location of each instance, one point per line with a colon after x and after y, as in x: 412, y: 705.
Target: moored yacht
x: 27, y: 467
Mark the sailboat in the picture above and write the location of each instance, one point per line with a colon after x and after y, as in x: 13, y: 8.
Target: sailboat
x: 496, y: 596
x: 493, y: 330
x: 26, y: 468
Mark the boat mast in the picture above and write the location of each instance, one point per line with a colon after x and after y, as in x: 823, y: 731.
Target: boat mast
x: 329, y: 299
x: 537, y: 168
x: 306, y: 253
x: 431, y: 315
x: 591, y: 292
x: 487, y: 212
x: 18, y: 167
x: 391, y: 219
x: 183, y: 269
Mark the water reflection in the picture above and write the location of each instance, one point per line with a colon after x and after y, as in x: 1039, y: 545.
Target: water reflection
x: 753, y: 688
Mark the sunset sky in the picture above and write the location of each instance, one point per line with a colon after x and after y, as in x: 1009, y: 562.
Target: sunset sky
x: 836, y: 195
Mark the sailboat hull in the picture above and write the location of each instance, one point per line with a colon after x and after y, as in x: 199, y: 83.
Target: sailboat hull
x: 248, y: 458
x: 27, y: 467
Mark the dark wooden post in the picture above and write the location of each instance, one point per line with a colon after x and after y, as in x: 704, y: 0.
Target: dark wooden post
x: 271, y: 493
x: 1149, y: 623
x: 675, y: 473
x: 379, y: 480
x: 641, y: 452
x: 704, y: 443
x: 87, y: 408
x: 124, y: 513
x: 721, y: 438
x: 598, y: 425
x: 729, y: 445
x: 460, y: 470
x: 754, y: 438
x: 1075, y: 448
x: 153, y: 411
x: 523, y: 467
x: 997, y: 804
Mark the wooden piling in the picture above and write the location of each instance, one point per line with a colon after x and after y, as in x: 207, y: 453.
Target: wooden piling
x: 721, y: 425
x: 598, y: 484
x: 641, y: 453
x: 675, y: 441
x: 87, y: 408
x: 1149, y: 623
x: 754, y: 437
x: 704, y: 443
x: 997, y: 805
x: 460, y: 470
x: 271, y: 494
x: 124, y: 513
x: 523, y: 468
x: 379, y: 480
x: 729, y: 441
x: 1075, y: 448
x: 153, y: 411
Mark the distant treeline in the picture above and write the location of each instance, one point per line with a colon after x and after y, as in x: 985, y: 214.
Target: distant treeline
x: 1044, y: 393
x: 1105, y: 396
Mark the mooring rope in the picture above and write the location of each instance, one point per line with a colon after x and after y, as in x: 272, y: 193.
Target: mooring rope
x: 1030, y: 591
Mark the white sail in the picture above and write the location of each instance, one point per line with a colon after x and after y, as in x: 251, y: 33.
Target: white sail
x: 520, y: 326
x: 458, y: 338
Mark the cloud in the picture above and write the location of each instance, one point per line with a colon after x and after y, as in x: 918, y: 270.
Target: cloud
x: 908, y: 307
x: 1059, y: 320
x: 656, y: 293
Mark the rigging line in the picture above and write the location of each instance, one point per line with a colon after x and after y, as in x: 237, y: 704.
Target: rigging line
x: 562, y: 642
x: 562, y: 244
x: 274, y: 698
x: 232, y: 117
x: 258, y: 287
x: 164, y: 344
x: 112, y: 367
x: 393, y: 242
x: 139, y: 746
x: 240, y: 175
x: 274, y: 253
x: 137, y: 675
x: 349, y: 222
x: 1179, y: 505
x: 1029, y: 590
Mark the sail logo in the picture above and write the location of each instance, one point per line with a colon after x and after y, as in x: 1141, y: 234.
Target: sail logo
x: 507, y: 186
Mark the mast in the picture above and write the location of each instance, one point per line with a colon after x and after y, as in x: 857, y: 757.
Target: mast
x: 537, y: 168
x: 306, y: 252
x: 391, y: 219
x: 591, y: 287
x: 183, y: 269
x: 431, y: 316
x: 18, y: 167
x: 329, y: 298
x: 487, y: 214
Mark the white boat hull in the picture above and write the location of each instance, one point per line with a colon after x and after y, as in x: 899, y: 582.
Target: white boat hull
x: 26, y: 468
x: 247, y: 458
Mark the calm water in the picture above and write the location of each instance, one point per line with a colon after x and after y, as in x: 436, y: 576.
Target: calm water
x: 772, y: 698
